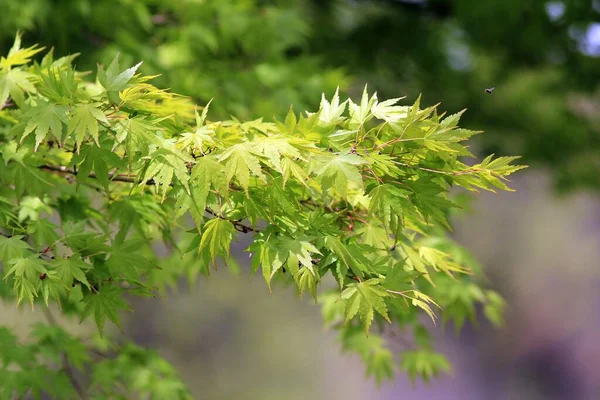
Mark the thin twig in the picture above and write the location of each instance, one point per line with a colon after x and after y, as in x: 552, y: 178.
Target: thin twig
x: 65, y: 361
x: 129, y: 179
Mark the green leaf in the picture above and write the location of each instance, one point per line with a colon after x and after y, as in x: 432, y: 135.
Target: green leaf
x: 69, y: 270
x: 30, y: 268
x: 360, y: 114
x: 307, y: 281
x: 97, y: 159
x: 12, y: 247
x: 104, y: 303
x: 166, y: 163
x: 44, y: 118
x: 15, y: 83
x: 424, y: 363
x: 126, y: 260
x: 240, y: 161
x: 84, y: 121
x: 114, y: 80
x: 340, y: 172
x: 364, y: 298
x: 43, y: 232
x: 17, y: 55
x: 349, y: 258
x: 331, y: 113
x: 216, y: 238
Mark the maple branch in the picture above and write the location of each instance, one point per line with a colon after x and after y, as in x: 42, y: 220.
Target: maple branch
x: 65, y: 361
x: 129, y: 179
x: 439, y: 171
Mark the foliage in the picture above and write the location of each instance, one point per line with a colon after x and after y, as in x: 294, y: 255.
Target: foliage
x: 96, y: 172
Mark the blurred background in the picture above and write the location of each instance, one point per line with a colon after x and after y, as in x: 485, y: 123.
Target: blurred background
x: 540, y: 246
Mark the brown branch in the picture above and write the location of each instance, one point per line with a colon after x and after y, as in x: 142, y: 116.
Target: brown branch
x: 130, y: 179
x: 65, y: 361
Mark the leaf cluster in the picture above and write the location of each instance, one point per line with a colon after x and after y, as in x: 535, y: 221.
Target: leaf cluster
x: 96, y: 172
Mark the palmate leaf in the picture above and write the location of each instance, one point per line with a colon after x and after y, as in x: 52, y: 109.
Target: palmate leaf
x: 106, y: 302
x: 389, y: 204
x: 12, y: 247
x: 331, y: 113
x: 114, y: 80
x: 29, y: 268
x: 216, y: 239
x: 240, y: 160
x: 70, y: 270
x: 273, y: 148
x: 17, y: 55
x: 15, y: 83
x: 43, y: 232
x: 136, y: 134
x: 84, y: 122
x: 424, y: 363
x: 349, y: 258
x: 372, y: 349
x: 97, y: 159
x: 364, y: 298
x: 339, y: 172
x: 307, y: 281
x: 127, y: 261
x: 429, y: 200
x: 44, y: 118
x: 166, y: 163
x: 202, y: 136
x: 277, y: 252
x: 361, y: 113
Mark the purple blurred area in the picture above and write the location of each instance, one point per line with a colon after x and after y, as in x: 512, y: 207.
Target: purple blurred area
x: 230, y: 338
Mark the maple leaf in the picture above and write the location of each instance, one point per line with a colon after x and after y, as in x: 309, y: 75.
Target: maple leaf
x: 273, y: 148
x: 97, y: 159
x: 387, y: 111
x: 339, y: 172
x: 137, y: 133
x: 365, y: 298
x: 349, y: 258
x: 277, y: 251
x: 165, y: 163
x: 104, y: 303
x: 126, y: 260
x: 15, y: 83
x: 12, y: 247
x: 30, y: 267
x: 240, y: 160
x: 43, y: 232
x: 84, y: 121
x: 216, y: 239
x: 17, y: 55
x: 425, y: 363
x: 307, y: 281
x: 43, y: 118
x: 331, y: 113
x: 114, y: 80
x: 69, y: 270
x: 389, y: 204
x: 360, y: 114
x: 203, y: 135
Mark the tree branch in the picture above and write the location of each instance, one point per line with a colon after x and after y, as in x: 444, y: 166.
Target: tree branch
x: 131, y: 179
x: 65, y: 361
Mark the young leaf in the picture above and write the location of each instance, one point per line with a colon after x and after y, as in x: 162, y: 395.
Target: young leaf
x: 84, y: 121
x: 364, y: 298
